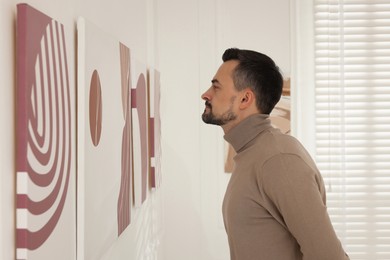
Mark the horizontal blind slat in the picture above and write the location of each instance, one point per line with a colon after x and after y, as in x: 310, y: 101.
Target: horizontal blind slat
x: 352, y: 110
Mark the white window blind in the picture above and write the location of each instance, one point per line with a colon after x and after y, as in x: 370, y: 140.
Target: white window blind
x: 352, y: 111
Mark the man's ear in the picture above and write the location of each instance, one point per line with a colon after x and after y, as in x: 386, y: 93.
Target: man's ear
x: 247, y: 98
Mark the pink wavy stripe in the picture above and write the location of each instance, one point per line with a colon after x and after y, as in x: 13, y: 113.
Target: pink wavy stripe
x: 125, y: 78
x: 34, y: 119
x: 39, y: 179
x: 139, y: 101
x: 151, y: 136
x: 28, y: 46
x: 124, y: 213
x: 155, y: 133
x: 157, y: 128
x: 61, y: 165
x: 124, y: 207
x: 152, y: 152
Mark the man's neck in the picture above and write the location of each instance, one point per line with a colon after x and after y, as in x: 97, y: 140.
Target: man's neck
x: 227, y: 127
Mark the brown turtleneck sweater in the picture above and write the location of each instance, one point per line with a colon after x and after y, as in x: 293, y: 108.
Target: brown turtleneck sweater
x: 275, y: 206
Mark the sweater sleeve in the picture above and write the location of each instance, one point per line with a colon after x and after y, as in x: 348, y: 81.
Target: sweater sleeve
x: 297, y: 192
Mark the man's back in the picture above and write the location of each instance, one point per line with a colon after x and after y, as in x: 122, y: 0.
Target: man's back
x: 274, y: 206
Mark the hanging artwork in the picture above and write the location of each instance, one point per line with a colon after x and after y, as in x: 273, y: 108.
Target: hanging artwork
x: 140, y: 120
x: 280, y: 115
x: 45, y: 140
x: 154, y: 128
x: 105, y: 164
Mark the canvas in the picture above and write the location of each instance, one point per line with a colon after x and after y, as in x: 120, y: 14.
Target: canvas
x: 154, y: 128
x: 105, y: 164
x: 140, y: 120
x: 45, y: 140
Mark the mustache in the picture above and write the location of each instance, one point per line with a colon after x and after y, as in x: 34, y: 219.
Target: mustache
x: 207, y: 104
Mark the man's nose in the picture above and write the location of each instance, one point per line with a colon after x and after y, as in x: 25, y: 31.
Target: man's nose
x: 205, y: 95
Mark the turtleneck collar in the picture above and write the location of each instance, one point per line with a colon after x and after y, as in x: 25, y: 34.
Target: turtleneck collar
x: 247, y: 130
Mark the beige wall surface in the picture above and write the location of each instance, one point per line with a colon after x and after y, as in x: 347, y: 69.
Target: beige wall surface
x: 192, y: 36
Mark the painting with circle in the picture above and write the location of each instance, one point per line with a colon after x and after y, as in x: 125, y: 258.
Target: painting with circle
x: 140, y: 134
x: 45, y: 140
x: 154, y: 128
x: 113, y: 139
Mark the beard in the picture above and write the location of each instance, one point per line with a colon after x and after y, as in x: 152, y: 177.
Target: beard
x: 210, y: 118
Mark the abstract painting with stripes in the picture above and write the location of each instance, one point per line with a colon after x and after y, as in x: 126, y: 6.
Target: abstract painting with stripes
x: 45, y: 140
x: 154, y: 128
x: 140, y: 119
x: 105, y: 140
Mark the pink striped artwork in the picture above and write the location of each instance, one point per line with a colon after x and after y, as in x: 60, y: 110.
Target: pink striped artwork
x: 124, y: 202
x: 140, y: 119
x: 105, y: 148
x: 154, y: 128
x: 45, y: 140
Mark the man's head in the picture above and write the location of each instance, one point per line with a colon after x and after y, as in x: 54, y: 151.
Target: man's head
x: 258, y: 72
x: 247, y: 82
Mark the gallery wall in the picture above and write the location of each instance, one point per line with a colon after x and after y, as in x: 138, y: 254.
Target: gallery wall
x: 184, y: 40
x: 192, y: 36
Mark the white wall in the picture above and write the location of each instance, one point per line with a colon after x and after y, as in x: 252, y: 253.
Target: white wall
x: 185, y: 40
x: 302, y: 64
x: 192, y: 36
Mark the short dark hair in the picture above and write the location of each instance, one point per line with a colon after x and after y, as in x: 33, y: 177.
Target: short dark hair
x: 258, y: 72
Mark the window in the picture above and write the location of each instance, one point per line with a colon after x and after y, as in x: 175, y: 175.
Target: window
x: 352, y: 120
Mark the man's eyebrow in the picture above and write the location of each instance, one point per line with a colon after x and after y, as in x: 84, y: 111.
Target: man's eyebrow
x: 215, y: 81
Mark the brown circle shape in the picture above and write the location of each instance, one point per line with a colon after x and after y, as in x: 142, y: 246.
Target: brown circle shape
x: 95, y: 108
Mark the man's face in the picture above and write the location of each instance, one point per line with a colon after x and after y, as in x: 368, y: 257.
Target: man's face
x: 221, y: 97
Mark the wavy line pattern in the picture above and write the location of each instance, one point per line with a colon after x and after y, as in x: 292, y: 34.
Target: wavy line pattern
x: 124, y: 199
x: 155, y: 132
x: 140, y: 105
x: 45, y: 131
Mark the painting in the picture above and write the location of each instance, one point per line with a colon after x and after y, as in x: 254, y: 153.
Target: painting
x: 280, y: 115
x: 45, y: 140
x: 105, y: 146
x: 154, y: 128
x: 140, y: 120
x: 280, y: 118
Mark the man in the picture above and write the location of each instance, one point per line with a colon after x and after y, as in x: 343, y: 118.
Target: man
x: 274, y: 207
